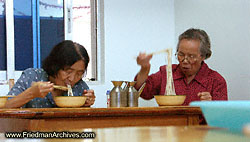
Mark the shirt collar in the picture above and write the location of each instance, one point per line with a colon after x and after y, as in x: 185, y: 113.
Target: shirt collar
x: 177, y: 73
x: 201, y: 73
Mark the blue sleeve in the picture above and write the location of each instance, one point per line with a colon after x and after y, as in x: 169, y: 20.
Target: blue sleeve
x: 24, y: 82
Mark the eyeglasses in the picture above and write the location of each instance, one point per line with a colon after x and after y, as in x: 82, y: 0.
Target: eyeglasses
x: 190, y: 58
x: 77, y: 74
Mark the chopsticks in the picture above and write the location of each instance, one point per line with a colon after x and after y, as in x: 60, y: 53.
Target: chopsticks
x: 158, y: 52
x: 64, y: 88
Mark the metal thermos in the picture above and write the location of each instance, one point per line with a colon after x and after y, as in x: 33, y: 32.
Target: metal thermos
x: 118, y: 96
x: 133, y: 95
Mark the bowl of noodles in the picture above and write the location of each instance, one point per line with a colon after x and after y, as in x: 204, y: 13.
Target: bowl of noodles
x: 170, y: 100
x: 70, y: 101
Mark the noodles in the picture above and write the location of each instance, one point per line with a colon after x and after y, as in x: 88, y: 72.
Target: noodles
x: 170, y: 90
x: 70, y: 93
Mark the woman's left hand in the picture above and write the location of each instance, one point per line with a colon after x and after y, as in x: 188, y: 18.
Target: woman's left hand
x: 205, y: 96
x: 90, y: 97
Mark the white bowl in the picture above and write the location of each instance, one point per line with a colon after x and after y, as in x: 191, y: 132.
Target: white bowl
x: 170, y: 100
x: 70, y: 101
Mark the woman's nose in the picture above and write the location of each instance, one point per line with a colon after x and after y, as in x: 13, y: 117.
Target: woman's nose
x: 71, y: 77
x: 185, y: 60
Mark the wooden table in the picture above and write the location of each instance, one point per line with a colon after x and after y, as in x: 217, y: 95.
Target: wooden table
x: 53, y: 119
x: 149, y: 134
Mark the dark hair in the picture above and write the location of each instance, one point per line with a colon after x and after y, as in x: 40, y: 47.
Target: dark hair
x: 64, y: 54
x: 201, y: 35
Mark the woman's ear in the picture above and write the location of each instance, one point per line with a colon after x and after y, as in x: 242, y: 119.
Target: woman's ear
x: 203, y: 58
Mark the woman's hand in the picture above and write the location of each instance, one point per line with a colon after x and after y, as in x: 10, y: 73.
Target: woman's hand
x: 90, y: 97
x: 37, y: 90
x: 41, y: 89
x: 205, y: 96
x: 143, y: 60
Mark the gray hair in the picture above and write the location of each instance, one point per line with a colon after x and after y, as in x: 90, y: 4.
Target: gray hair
x: 201, y: 35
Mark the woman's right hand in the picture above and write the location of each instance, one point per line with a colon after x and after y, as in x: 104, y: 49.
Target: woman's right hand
x: 143, y: 60
x: 41, y: 89
x: 37, y: 90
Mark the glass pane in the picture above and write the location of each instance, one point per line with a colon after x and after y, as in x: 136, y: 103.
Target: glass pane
x: 81, y: 27
x: 51, y: 25
x: 23, y: 34
x: 3, y: 61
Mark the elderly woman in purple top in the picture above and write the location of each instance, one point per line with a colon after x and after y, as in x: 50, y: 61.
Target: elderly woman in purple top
x: 66, y: 64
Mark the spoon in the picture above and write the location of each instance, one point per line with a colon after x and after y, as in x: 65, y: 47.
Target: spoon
x: 141, y: 89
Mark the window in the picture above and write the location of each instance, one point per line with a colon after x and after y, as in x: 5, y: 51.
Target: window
x: 23, y: 34
x: 2, y: 37
x: 84, y: 30
x: 38, y: 25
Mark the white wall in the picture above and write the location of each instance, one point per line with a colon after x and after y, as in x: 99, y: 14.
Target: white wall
x: 228, y: 24
x: 133, y: 26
